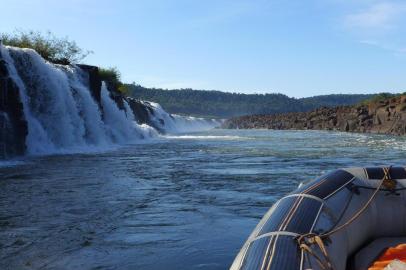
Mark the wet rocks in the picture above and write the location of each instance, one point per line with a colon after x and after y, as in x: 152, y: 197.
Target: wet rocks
x: 141, y: 111
x: 94, y: 80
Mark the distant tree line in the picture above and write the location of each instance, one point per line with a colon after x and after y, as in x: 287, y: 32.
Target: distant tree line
x: 222, y: 104
x: 381, y: 97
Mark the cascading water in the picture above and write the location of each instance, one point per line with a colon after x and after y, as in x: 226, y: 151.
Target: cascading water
x: 88, y: 108
x: 37, y: 140
x: 193, y: 124
x: 144, y: 129
x: 62, y: 115
x: 60, y: 112
x: 173, y: 123
x: 51, y: 99
x: 121, y: 126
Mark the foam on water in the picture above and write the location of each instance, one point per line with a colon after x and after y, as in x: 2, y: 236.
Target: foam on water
x: 203, y: 137
x: 11, y: 163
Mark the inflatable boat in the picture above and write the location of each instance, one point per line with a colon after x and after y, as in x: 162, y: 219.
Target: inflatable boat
x: 344, y: 220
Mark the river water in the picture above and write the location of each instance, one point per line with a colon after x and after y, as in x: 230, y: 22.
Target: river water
x: 177, y: 202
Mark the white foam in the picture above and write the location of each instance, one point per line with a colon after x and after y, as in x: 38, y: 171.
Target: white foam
x: 10, y: 163
x: 203, y: 137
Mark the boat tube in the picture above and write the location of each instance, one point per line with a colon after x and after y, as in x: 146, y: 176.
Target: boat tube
x: 342, y: 220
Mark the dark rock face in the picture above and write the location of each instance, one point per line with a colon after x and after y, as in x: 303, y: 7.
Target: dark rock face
x: 12, y: 122
x: 141, y: 112
x: 144, y: 114
x: 118, y: 99
x: 94, y: 81
x: 385, y: 117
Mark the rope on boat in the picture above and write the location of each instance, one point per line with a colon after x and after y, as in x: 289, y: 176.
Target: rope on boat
x: 306, y: 241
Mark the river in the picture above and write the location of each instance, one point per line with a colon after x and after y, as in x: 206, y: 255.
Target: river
x: 185, y: 201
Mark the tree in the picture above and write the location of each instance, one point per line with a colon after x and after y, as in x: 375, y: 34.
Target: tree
x: 54, y: 49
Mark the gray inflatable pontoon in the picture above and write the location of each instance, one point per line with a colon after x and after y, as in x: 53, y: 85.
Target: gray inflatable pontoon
x: 342, y: 220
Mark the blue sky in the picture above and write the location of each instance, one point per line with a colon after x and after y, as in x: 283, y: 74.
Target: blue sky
x: 296, y: 47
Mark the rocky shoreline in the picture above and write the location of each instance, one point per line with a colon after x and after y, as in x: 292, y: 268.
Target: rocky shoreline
x: 383, y: 117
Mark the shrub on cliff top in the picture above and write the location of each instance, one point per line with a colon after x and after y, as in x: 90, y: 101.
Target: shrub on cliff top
x: 110, y: 75
x: 53, y: 49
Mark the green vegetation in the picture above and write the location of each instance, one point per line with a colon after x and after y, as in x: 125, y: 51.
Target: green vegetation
x: 56, y: 50
x: 333, y: 100
x: 379, y: 97
x: 111, y: 75
x: 223, y: 105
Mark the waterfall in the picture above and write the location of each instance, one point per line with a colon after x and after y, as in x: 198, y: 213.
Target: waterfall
x: 51, y: 99
x: 120, y: 125
x: 88, y: 108
x: 60, y: 112
x: 194, y: 124
x: 62, y: 115
x: 172, y: 123
x: 37, y: 140
x: 144, y: 129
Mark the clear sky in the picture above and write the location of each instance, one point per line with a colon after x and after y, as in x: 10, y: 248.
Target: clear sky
x: 296, y: 47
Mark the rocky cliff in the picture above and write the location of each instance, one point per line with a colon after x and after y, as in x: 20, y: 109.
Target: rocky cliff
x: 384, y: 116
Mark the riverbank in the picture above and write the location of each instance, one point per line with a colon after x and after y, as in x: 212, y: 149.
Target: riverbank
x: 382, y: 117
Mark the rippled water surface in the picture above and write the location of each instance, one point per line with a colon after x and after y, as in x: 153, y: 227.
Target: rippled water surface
x: 179, y: 202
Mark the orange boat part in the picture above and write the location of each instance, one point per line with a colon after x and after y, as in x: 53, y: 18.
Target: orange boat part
x: 390, y: 254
